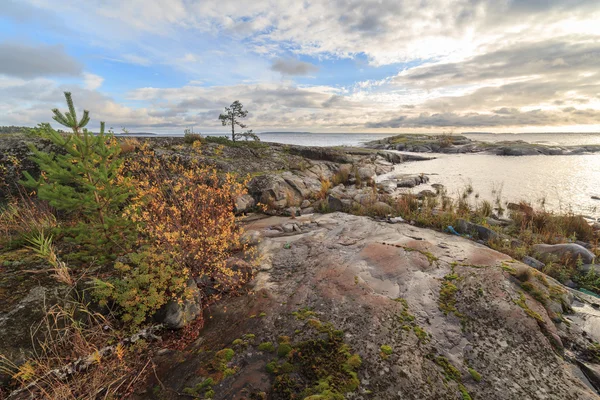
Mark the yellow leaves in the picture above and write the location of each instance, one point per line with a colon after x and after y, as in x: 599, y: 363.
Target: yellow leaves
x: 96, y: 357
x: 119, y: 352
x: 25, y: 372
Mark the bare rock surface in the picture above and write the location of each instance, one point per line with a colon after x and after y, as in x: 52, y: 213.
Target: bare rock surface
x: 443, y: 305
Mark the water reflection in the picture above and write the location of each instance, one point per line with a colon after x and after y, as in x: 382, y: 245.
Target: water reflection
x: 561, y: 182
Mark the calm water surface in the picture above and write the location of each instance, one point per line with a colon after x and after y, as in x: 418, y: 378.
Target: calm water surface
x: 564, y: 182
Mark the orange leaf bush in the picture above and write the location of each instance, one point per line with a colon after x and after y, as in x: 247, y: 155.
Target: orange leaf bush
x: 184, y: 211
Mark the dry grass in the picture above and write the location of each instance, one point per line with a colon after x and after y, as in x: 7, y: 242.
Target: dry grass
x: 548, y: 227
x: 325, y: 186
x: 23, y: 216
x: 129, y: 145
x: 73, y: 358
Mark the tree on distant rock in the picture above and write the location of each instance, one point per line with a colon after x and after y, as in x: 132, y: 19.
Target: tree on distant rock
x: 232, y: 117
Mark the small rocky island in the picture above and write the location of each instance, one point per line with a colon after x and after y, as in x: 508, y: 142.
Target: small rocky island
x: 455, y: 144
x: 355, y: 290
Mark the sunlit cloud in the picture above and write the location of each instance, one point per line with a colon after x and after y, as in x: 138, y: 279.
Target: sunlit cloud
x: 325, y: 65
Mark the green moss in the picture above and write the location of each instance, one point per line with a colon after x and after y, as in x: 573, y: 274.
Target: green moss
x: 542, y: 278
x: 262, y: 314
x: 386, y: 350
x: 283, y: 350
x: 237, y: 342
x: 266, y: 346
x: 450, y: 371
x: 430, y: 257
x: 534, y: 292
x: 303, y: 314
x: 508, y: 268
x: 287, y: 367
x: 229, y: 372
x: 322, y: 367
x: 421, y: 334
x: 226, y: 354
x: 315, y: 323
x: 463, y: 391
x: 272, y: 367
x: 249, y: 336
x: 475, y: 375
x: 354, y: 361
x: 447, y: 301
x: 205, y: 386
x: 521, y: 302
x: 221, y: 358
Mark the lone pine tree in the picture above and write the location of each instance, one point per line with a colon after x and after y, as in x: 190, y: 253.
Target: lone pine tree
x: 232, y: 117
x: 83, y: 181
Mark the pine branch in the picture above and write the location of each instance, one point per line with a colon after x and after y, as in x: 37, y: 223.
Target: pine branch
x: 85, y: 119
x: 72, y: 112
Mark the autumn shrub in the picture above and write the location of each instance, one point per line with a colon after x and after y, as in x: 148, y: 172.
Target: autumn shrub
x: 142, y: 285
x: 190, y: 137
x: 185, y: 215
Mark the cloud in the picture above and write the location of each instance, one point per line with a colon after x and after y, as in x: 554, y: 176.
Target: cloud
x: 28, y: 61
x: 383, y: 64
x: 570, y: 54
x: 504, y: 117
x: 91, y: 81
x: 293, y: 67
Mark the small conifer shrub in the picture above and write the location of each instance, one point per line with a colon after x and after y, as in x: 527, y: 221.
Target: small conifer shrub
x: 83, y: 181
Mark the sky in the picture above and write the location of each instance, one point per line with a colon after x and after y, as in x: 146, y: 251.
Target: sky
x: 320, y: 66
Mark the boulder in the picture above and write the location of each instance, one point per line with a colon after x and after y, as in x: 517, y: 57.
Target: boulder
x: 486, y: 234
x: 426, y: 193
x: 366, y: 173
x: 335, y: 203
x: 532, y: 262
x: 344, y: 274
x: 412, y: 181
x: 584, y: 244
x: 495, y: 222
x: 365, y: 198
x: 244, y: 203
x: 383, y: 208
x: 307, y: 210
x: 568, y: 251
x: 271, y: 190
x: 250, y: 237
x: 178, y: 313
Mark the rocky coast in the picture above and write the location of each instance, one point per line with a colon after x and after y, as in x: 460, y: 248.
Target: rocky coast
x: 361, y: 290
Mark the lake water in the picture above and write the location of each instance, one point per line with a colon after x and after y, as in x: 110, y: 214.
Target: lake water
x: 565, y: 183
